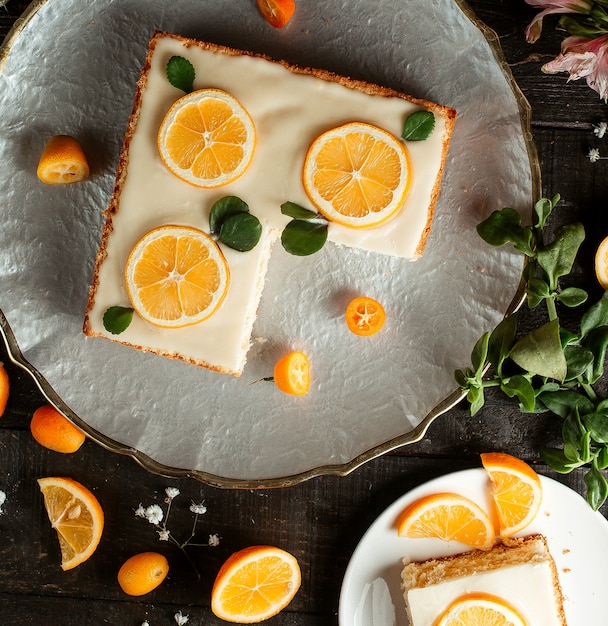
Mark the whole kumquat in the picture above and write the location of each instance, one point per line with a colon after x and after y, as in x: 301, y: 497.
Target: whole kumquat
x: 142, y: 573
x: 54, y: 431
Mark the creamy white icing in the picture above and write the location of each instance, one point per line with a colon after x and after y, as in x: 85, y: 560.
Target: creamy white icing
x: 289, y: 111
x: 528, y: 587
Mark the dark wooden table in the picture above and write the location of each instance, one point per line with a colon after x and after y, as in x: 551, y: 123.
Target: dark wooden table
x: 322, y: 520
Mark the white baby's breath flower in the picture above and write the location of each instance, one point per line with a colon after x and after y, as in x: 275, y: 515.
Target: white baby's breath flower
x: 145, y: 623
x: 2, y: 499
x: 172, y: 492
x: 180, y: 619
x: 214, y: 540
x: 599, y: 130
x: 594, y: 155
x: 140, y: 511
x: 199, y: 509
x: 154, y: 514
x: 163, y: 535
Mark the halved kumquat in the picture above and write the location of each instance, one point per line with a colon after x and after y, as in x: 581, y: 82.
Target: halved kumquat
x: 357, y: 175
x: 516, y: 491
x: 4, y: 389
x: 62, y: 162
x: 365, y: 316
x: 601, y: 263
x: 255, y: 584
x: 480, y: 609
x: 450, y: 517
x: 277, y: 12
x: 76, y: 515
x: 207, y: 138
x: 54, y: 431
x: 292, y: 374
x: 176, y: 276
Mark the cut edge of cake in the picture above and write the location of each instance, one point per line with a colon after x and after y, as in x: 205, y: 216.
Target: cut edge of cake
x: 511, y: 552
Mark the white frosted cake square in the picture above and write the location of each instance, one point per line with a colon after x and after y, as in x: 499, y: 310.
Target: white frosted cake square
x: 290, y: 107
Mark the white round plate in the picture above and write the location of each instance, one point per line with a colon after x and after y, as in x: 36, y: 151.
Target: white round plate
x: 577, y: 538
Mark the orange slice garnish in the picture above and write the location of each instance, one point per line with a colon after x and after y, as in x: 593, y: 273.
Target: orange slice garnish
x: 255, y: 584
x: 292, y: 374
x: 480, y: 609
x: 176, y: 276
x: 365, y: 316
x: 516, y: 491
x: 450, y: 517
x: 207, y: 138
x: 357, y: 175
x: 76, y: 515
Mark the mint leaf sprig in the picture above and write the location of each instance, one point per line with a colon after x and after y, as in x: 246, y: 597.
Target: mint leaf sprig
x: 549, y: 369
x: 307, y: 231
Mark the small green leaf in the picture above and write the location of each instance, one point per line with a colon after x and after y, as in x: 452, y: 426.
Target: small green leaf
x: 479, y: 354
x: 597, y: 487
x: 501, y: 341
x: 519, y: 386
x: 578, y: 360
x: 543, y: 209
x: 597, y: 424
x: 117, y: 319
x: 298, y: 212
x: 537, y: 290
x: 596, y: 315
x: 505, y: 226
x: 558, y: 257
x: 597, y: 342
x: 540, y: 352
x: 241, y: 231
x: 565, y: 402
x: 303, y: 238
x: 556, y: 460
x: 418, y: 126
x: 180, y: 73
x: 224, y: 208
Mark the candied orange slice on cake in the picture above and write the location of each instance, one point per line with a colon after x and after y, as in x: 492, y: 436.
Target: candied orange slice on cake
x: 207, y: 138
x: 357, y: 175
x: 480, y: 609
x: 255, y: 584
x: 516, y: 491
x: 448, y: 516
x: 176, y: 276
x: 76, y: 515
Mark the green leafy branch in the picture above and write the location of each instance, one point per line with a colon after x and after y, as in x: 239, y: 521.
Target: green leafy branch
x: 549, y: 369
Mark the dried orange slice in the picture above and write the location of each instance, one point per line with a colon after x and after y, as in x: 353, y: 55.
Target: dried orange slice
x: 365, y: 316
x: 357, y: 175
x: 255, y: 584
x: 207, y: 138
x: 480, y: 609
x: 176, y: 276
x: 516, y: 491
x: 142, y: 573
x: 448, y: 516
x: 601, y: 263
x: 62, y: 162
x: 76, y: 515
x: 54, y: 431
x: 292, y: 374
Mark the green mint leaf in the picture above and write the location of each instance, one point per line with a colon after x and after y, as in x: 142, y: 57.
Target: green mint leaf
x: 303, y: 238
x: 117, y: 319
x: 298, y: 212
x: 418, y: 126
x: 558, y: 257
x: 180, y: 73
x: 540, y: 352
x: 597, y: 487
x: 224, y: 208
x: 505, y: 226
x: 241, y: 231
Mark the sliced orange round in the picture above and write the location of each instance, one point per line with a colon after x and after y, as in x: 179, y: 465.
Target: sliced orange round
x: 480, y: 609
x: 207, y: 138
x: 357, y: 175
x: 292, y: 374
x: 365, y: 316
x: 255, y: 584
x: 176, y: 276
x: 76, y: 515
x: 62, y: 162
x: 450, y: 517
x: 516, y: 491
x: 601, y: 263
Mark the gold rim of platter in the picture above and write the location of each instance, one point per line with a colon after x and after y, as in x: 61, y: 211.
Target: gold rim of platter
x: 343, y: 469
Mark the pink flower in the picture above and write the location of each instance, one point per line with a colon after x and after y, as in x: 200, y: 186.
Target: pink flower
x: 554, y: 6
x: 585, y: 58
